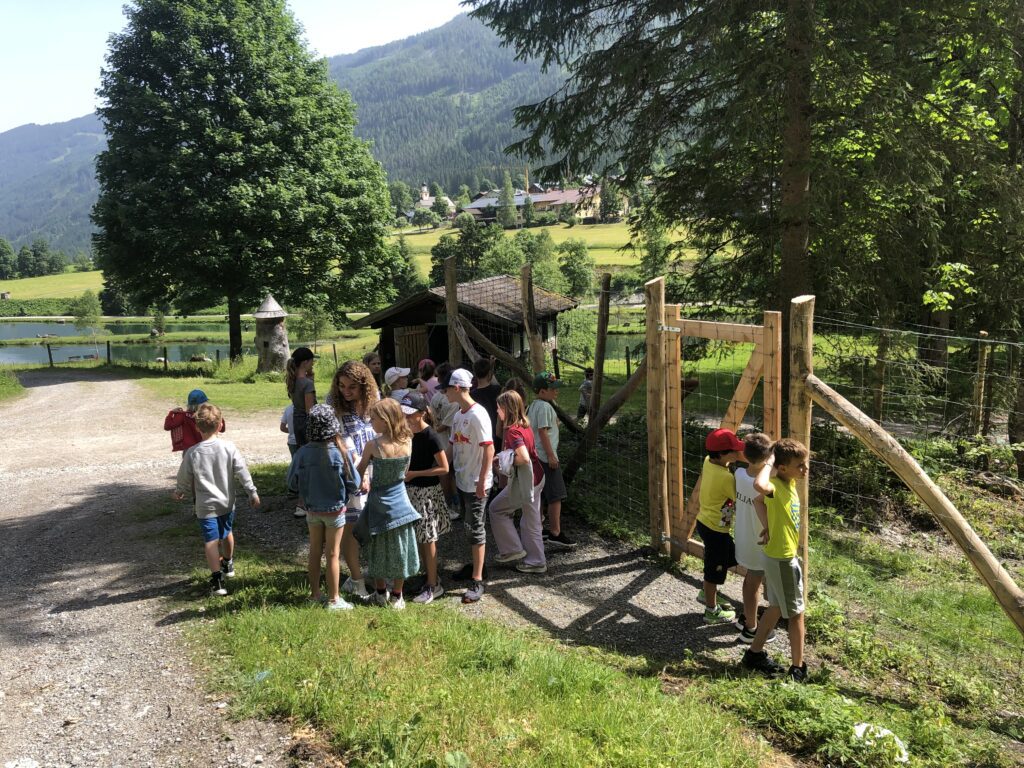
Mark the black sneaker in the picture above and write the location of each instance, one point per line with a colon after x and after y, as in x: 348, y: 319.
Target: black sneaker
x: 465, y: 573
x: 227, y: 567
x: 559, y: 541
x: 797, y: 674
x: 760, y: 662
x: 545, y: 534
x: 217, y: 584
x: 747, y: 635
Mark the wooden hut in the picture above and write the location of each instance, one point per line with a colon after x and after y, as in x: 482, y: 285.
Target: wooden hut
x: 416, y: 327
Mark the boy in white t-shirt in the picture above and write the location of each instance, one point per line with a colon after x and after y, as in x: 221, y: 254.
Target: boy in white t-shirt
x: 757, y: 447
x: 472, y: 454
x: 288, y: 427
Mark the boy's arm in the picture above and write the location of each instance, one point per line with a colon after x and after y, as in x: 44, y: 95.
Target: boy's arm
x: 548, y: 450
x: 762, y: 515
x: 763, y: 481
x: 183, y: 485
x: 485, y: 470
x: 242, y: 473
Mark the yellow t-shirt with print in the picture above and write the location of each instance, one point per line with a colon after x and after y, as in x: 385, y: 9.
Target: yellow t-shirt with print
x: 783, y: 520
x: 717, y: 485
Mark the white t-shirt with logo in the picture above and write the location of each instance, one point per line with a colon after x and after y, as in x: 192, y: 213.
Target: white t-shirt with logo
x: 747, y: 528
x: 471, y: 434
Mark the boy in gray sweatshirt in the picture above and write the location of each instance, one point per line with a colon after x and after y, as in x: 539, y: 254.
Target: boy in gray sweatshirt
x: 210, y: 468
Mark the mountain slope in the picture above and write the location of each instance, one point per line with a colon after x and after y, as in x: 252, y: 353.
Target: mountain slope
x: 437, y: 107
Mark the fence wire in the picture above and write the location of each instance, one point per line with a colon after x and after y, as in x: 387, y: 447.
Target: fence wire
x: 891, y: 587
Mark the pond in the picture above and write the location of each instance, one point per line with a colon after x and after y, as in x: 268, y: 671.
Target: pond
x: 9, y: 330
x: 135, y: 353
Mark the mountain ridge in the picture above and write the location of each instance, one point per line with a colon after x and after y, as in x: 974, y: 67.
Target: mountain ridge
x: 437, y: 107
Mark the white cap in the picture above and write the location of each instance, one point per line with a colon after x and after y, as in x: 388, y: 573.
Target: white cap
x: 394, y: 374
x: 461, y: 378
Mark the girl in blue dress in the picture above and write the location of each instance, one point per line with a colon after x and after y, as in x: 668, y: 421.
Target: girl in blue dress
x: 389, y: 517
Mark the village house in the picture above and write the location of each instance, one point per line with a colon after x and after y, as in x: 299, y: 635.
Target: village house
x: 584, y: 201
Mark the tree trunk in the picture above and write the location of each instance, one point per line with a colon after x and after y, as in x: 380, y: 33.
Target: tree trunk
x: 1015, y: 421
x: 881, y: 362
x: 795, y: 204
x: 234, y: 329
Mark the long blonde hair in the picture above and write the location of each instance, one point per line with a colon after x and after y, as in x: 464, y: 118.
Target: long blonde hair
x: 515, y: 412
x: 388, y: 411
x: 291, y: 373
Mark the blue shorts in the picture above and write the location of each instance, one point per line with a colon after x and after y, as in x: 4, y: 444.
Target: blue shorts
x: 217, y: 528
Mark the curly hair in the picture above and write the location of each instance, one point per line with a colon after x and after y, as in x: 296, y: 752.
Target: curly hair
x: 368, y: 393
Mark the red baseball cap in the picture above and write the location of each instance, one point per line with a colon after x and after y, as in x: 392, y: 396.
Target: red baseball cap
x: 723, y: 440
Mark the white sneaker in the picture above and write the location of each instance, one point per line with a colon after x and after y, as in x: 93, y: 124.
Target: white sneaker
x: 378, y: 598
x: 511, y: 557
x: 299, y: 512
x: 429, y: 594
x: 355, y: 588
x: 397, y: 604
x: 339, y: 604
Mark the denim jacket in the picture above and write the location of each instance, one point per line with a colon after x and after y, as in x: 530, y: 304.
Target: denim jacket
x: 322, y: 477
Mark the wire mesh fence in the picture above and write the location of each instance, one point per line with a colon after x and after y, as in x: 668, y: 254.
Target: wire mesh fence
x: 891, y: 588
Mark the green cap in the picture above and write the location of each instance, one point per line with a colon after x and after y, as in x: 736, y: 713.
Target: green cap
x: 545, y: 380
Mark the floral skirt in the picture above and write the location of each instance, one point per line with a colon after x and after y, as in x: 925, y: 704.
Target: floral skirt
x: 434, y: 521
x: 393, y: 554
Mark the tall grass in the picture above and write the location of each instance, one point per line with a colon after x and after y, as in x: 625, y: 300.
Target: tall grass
x: 10, y: 387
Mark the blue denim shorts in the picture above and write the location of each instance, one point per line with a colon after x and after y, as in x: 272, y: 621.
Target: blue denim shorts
x: 216, y: 528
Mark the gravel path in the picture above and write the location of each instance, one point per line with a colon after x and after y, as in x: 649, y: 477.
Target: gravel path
x: 90, y: 674
x: 93, y: 669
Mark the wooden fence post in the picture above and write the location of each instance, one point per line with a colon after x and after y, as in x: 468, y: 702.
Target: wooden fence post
x: 49, y: 354
x: 530, y: 320
x: 218, y: 358
x: 657, y: 445
x: 771, y: 359
x: 602, y: 343
x: 801, y: 365
x: 109, y: 358
x: 554, y: 363
x: 451, y: 308
x: 978, y: 401
x: 334, y: 349
x: 629, y: 363
x: 166, y: 364
x: 674, y: 428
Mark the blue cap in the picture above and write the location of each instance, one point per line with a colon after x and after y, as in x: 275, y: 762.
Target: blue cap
x: 196, y: 398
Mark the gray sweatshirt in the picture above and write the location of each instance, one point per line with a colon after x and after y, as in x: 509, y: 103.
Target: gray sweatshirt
x: 211, y: 467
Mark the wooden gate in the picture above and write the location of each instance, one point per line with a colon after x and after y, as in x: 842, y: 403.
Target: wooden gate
x: 410, y: 345
x: 673, y: 517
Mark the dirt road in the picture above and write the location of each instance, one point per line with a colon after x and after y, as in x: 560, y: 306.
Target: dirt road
x: 93, y: 669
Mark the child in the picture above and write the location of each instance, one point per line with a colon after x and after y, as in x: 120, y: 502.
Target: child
x: 545, y: 425
x: 486, y: 392
x: 757, y: 447
x: 182, y: 424
x: 298, y: 380
x: 586, y: 390
x: 429, y: 463
x: 783, y: 576
x: 472, y: 454
x: 443, y: 413
x: 717, y: 499
x: 427, y: 380
x: 396, y: 382
x: 391, y: 551
x: 208, y: 471
x: 288, y: 427
x: 353, y: 391
x: 372, y: 361
x: 322, y: 474
x: 523, y: 491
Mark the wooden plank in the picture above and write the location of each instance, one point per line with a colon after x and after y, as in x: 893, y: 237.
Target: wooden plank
x: 745, y: 390
x: 801, y: 365
x: 707, y: 329
x: 771, y: 352
x: 451, y: 308
x: 464, y: 341
x: 603, y: 302
x: 1006, y: 591
x: 657, y: 445
x: 674, y: 428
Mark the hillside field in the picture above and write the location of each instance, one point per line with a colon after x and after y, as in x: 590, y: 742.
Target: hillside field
x: 61, y: 286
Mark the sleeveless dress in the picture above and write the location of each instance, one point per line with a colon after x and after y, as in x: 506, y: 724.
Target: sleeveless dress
x: 391, y: 552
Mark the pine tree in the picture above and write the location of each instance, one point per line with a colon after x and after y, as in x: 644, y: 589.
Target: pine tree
x: 507, y: 217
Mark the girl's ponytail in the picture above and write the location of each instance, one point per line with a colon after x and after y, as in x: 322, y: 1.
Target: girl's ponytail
x: 290, y: 373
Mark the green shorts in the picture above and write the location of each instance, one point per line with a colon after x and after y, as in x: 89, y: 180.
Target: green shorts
x: 784, y: 582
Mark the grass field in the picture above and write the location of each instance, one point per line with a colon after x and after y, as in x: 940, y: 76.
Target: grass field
x: 54, y: 286
x: 10, y: 387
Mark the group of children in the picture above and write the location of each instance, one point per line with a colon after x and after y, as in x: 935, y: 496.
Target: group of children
x: 379, y: 479
x: 760, y: 505
x: 383, y: 478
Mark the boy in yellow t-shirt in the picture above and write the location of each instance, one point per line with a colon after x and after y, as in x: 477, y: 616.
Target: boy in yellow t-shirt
x: 717, y: 503
x: 780, y: 537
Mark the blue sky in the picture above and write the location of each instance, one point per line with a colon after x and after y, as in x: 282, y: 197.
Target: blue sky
x: 51, y: 51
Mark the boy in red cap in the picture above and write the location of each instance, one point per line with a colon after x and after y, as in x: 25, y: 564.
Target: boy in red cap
x: 717, y: 502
